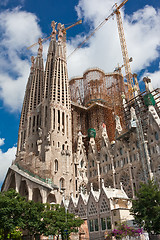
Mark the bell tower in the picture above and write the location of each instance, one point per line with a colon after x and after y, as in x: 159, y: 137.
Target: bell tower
x: 56, y: 114
x: 45, y: 137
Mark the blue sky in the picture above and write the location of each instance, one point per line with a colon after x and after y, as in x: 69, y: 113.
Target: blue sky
x: 22, y: 22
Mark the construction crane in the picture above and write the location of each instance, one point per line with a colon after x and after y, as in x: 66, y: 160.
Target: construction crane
x: 119, y: 68
x: 65, y: 29
x: 126, y: 59
x: 64, y: 32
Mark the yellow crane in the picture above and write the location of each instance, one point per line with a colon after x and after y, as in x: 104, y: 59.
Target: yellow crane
x: 64, y: 31
x: 126, y: 60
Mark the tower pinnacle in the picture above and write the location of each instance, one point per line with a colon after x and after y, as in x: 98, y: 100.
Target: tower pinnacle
x: 53, y: 25
x: 40, y: 49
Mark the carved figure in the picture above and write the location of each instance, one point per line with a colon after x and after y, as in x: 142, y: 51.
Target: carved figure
x: 49, y: 137
x: 118, y: 124
x: 40, y: 49
x: 53, y: 25
x: 133, y: 114
x: 60, y: 28
x: 40, y: 132
x: 24, y: 146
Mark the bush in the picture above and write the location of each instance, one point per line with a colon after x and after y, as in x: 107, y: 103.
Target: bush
x: 122, y: 231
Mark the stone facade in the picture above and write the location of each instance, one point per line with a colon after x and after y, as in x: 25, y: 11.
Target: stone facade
x: 44, y: 148
x: 102, y: 210
x: 74, y: 134
x: 126, y: 148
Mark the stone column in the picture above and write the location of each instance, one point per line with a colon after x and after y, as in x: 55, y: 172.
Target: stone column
x: 113, y: 171
x: 56, y: 119
x: 98, y: 174
x: 17, y: 182
x: 130, y: 173
x: 30, y: 192
x: 148, y: 160
x: 44, y: 195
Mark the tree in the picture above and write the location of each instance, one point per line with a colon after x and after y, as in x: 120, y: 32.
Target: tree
x: 11, y: 212
x: 16, y: 213
x: 33, y: 218
x: 59, y: 221
x: 146, y: 207
x: 16, y: 234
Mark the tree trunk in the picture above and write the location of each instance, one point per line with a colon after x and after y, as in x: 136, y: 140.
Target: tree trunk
x: 62, y: 235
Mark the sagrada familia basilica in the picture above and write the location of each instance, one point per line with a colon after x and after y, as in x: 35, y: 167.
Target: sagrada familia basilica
x: 87, y: 142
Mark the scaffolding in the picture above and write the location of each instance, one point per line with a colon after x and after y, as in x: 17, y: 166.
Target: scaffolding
x: 140, y: 104
x: 96, y: 99
x: 97, y: 86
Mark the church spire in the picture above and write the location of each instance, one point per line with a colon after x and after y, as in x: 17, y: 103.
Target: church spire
x: 56, y: 147
x: 33, y: 97
x: 45, y: 137
x: 56, y: 76
x: 56, y: 84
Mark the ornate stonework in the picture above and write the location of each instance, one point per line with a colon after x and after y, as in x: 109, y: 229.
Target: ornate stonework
x: 75, y: 133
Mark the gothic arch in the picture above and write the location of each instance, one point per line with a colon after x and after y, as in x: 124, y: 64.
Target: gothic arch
x: 23, y: 190
x: 56, y: 165
x: 140, y: 176
x: 104, y: 205
x: 83, y: 188
x: 51, y: 198
x: 12, y: 182
x: 61, y: 184
x: 92, y: 206
x: 36, y: 195
x: 124, y: 179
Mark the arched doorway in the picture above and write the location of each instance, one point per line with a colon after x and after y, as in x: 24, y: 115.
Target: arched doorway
x: 51, y: 198
x: 12, y: 182
x: 36, y: 195
x: 23, y: 190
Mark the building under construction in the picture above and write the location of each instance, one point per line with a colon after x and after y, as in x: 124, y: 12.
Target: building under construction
x: 74, y: 133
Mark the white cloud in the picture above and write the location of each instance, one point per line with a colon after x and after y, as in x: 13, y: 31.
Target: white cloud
x: 143, y: 37
x: 1, y: 141
x: 155, y: 77
x: 6, y: 159
x: 19, y: 29
x: 142, y: 34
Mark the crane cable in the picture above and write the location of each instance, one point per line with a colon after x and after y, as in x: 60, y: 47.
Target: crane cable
x: 92, y: 33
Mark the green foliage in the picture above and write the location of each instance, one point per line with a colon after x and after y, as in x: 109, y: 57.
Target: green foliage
x: 37, y: 218
x: 15, y: 212
x: 146, y: 207
x: 11, y: 211
x: 16, y: 234
x: 33, y: 217
x: 58, y: 221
